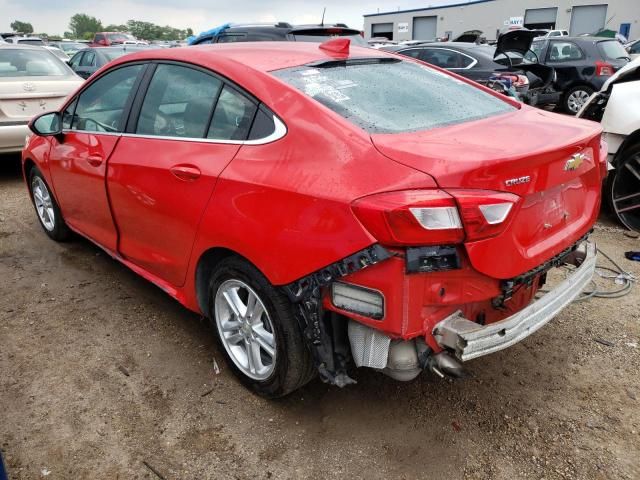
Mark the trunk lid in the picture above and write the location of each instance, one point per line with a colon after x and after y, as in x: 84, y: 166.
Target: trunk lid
x: 530, y: 153
x: 22, y: 98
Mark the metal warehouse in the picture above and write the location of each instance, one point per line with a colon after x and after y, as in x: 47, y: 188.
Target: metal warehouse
x: 493, y: 16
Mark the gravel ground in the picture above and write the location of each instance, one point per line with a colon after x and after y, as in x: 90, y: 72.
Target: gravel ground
x: 101, y: 372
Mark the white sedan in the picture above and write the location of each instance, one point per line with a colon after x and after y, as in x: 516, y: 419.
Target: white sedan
x: 32, y: 80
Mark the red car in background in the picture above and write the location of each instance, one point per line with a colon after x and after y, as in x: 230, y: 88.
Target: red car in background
x: 324, y: 204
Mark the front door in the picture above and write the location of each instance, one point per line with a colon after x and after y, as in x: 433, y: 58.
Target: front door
x: 91, y: 129
x: 162, y: 175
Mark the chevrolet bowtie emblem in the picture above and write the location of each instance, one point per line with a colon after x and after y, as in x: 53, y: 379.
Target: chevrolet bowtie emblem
x: 575, y: 161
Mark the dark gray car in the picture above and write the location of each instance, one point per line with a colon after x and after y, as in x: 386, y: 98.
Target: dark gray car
x: 89, y: 60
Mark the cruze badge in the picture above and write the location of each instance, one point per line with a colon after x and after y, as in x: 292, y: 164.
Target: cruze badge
x: 517, y: 181
x: 574, y: 162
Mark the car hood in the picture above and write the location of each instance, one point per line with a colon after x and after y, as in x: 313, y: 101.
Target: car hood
x: 516, y: 41
x: 629, y: 69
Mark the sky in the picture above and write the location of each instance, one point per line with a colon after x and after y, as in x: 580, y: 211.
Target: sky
x: 52, y: 16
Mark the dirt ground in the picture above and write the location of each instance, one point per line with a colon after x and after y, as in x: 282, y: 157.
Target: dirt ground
x: 101, y: 372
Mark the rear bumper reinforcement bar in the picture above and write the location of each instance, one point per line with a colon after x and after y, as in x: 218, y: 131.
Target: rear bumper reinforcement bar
x: 471, y: 340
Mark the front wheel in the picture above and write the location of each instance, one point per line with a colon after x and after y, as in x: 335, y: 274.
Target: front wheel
x: 622, y: 190
x: 575, y: 98
x: 258, y: 330
x: 47, y: 208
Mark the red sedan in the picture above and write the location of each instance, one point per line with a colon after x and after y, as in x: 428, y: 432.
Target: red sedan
x: 324, y: 205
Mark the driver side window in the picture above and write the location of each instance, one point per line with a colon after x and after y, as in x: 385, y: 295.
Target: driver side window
x: 101, y: 106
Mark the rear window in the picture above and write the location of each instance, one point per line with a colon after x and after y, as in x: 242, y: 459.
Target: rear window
x: 30, y: 63
x: 391, y: 96
x: 31, y: 41
x: 612, y: 50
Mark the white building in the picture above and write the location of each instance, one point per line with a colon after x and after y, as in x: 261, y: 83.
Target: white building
x: 493, y: 16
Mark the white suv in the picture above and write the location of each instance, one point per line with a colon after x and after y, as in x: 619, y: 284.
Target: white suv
x: 617, y: 107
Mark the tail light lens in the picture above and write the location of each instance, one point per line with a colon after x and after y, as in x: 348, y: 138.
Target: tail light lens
x: 435, y: 217
x: 411, y: 217
x: 604, y: 69
x: 484, y: 213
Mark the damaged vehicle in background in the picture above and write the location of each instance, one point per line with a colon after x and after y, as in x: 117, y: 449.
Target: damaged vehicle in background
x: 323, y: 203
x: 617, y: 107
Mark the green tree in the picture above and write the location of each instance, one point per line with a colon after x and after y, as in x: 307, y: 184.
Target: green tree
x: 84, y: 26
x: 22, y: 27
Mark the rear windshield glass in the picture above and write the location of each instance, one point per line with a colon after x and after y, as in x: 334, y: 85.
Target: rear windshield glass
x: 394, y: 97
x: 612, y: 50
x: 30, y: 63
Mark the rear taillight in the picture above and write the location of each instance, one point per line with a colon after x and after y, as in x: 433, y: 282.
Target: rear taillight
x: 435, y: 217
x: 484, y: 213
x: 604, y: 69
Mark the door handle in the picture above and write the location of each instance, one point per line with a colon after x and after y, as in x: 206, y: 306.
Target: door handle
x: 188, y: 173
x: 94, y: 160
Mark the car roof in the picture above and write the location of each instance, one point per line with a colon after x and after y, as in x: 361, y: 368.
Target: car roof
x: 262, y: 56
x: 21, y: 46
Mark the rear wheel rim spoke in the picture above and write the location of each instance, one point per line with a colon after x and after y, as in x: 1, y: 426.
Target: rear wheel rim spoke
x: 245, y: 329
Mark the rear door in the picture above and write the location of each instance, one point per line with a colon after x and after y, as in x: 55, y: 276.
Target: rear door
x: 190, y: 125
x: 92, y: 125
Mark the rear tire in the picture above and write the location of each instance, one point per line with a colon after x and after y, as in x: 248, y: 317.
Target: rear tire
x: 47, y: 209
x: 623, y: 182
x: 575, y: 98
x: 257, y: 330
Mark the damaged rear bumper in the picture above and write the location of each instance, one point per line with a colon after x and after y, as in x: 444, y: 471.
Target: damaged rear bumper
x: 471, y: 340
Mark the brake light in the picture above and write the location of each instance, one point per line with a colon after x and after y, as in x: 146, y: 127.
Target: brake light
x: 435, y: 217
x: 484, y: 213
x: 411, y: 217
x: 604, y: 69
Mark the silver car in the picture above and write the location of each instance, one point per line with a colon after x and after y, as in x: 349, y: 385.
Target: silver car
x: 32, y: 80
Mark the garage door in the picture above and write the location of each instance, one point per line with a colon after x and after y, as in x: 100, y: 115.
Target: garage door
x: 587, y: 18
x: 540, y: 18
x: 424, y: 28
x: 382, y: 30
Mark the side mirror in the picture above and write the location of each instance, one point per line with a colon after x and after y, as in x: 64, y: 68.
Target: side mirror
x: 47, y: 124
x: 103, y: 42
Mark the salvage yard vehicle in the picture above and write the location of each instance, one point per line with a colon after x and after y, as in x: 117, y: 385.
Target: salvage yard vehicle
x: 89, y: 60
x: 323, y: 203
x: 277, y: 32
x: 582, y: 65
x: 32, y: 81
x: 617, y: 107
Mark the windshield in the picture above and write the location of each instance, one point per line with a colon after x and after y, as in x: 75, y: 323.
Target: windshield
x: 533, y: 55
x: 120, y: 37
x: 31, y: 41
x: 30, y: 63
x: 391, y: 96
x: 113, y: 54
x: 71, y: 47
x: 612, y: 50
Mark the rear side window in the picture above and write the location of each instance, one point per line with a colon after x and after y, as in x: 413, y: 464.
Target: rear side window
x: 393, y: 96
x: 232, y: 117
x: 101, y: 106
x: 445, y: 58
x: 565, y: 52
x: 178, y: 103
x: 612, y: 50
x: 232, y: 38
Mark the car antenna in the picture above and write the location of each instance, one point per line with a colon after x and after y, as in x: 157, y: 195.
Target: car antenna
x: 323, y: 12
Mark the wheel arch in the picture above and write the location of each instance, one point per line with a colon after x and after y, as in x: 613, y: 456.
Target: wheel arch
x: 207, y: 264
x: 631, y: 140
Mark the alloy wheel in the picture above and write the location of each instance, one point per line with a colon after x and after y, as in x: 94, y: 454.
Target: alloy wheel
x: 43, y: 203
x: 577, y: 99
x: 246, y: 329
x: 625, y: 192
